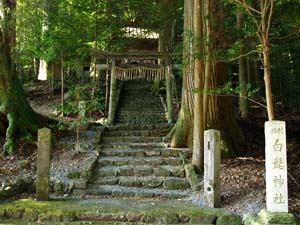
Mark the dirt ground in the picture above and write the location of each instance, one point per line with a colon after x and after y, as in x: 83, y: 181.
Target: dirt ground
x: 243, y: 178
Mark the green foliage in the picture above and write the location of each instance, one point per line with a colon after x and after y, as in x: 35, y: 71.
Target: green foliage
x: 230, y: 89
x: 78, y: 91
x: 60, y: 125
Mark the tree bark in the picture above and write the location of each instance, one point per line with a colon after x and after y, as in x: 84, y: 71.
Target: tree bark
x: 165, y: 45
x: 267, y: 11
x: 198, y: 140
x: 22, y: 120
x: 220, y: 110
x: 243, y: 75
x: 182, y: 132
x: 221, y: 114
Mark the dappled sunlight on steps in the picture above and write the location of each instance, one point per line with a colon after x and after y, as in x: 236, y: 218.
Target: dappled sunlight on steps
x: 135, y: 160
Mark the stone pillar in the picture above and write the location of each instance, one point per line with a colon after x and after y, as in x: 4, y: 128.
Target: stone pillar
x: 169, y: 95
x: 212, y: 161
x: 276, y: 166
x: 82, y: 109
x: 112, y: 95
x: 43, y: 164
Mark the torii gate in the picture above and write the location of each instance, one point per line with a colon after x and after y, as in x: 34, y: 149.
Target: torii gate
x: 151, y: 74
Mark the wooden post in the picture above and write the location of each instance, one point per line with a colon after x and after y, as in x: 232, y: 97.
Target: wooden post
x: 112, y: 96
x: 169, y: 94
x: 212, y: 161
x: 43, y: 164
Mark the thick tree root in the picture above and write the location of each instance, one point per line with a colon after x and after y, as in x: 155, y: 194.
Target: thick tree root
x: 181, y: 135
x: 20, y: 126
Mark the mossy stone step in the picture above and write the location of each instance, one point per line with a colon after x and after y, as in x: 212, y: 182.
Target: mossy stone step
x: 142, y: 117
x: 159, y: 119
x: 126, y: 145
x: 141, y: 100
x: 112, y: 211
x: 138, y: 161
x: 140, y: 171
x: 137, y: 192
x: 156, y: 132
x: 130, y: 152
x: 127, y: 127
x: 138, y: 112
x: 164, y: 152
x: 169, y: 183
x: 140, y: 121
x: 137, y: 105
x: 131, y: 139
x: 141, y: 110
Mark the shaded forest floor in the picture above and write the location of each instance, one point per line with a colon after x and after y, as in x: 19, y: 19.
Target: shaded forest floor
x: 243, y: 185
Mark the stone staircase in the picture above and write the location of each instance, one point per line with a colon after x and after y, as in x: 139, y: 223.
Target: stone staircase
x: 135, y: 161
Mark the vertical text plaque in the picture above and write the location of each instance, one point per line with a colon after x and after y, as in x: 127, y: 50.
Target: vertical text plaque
x: 276, y: 166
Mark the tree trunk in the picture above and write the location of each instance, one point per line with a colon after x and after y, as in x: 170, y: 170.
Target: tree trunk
x: 220, y: 113
x: 182, y: 132
x: 267, y: 78
x: 165, y: 45
x: 22, y: 120
x: 243, y: 75
x: 198, y: 141
x: 267, y: 11
x: 43, y: 67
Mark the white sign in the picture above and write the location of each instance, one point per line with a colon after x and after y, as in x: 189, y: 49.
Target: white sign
x: 276, y: 166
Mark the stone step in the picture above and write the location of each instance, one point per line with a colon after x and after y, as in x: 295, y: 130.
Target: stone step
x: 159, y: 118
x: 121, y: 191
x: 141, y: 115
x: 163, y: 152
x: 141, y: 99
x: 133, y: 95
x: 138, y: 113
x: 140, y: 121
x: 127, y: 127
x: 113, y: 211
x: 125, y: 145
x: 141, y: 171
x: 132, y: 139
x: 138, y: 161
x: 141, y: 108
x: 149, y: 114
x: 168, y: 183
x: 145, y: 133
x: 155, y: 104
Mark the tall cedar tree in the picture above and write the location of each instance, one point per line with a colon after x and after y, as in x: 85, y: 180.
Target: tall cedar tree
x: 182, y: 133
x: 15, y: 112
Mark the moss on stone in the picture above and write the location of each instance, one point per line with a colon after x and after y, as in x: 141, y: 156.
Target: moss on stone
x: 57, y: 216
x: 74, y: 175
x: 229, y: 219
x: 30, y: 215
x: 253, y: 220
x: 209, y: 219
x: 68, y: 210
x: 192, y: 177
x: 42, y: 188
x: 152, y: 183
x: 14, y: 212
x: 175, y: 184
x: 277, y: 218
